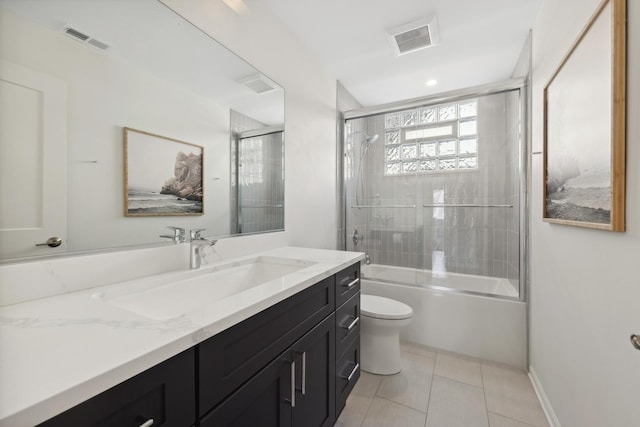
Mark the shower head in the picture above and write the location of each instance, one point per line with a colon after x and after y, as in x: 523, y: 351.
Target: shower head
x: 371, y: 139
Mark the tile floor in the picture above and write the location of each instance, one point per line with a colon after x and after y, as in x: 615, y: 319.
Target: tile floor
x: 442, y: 389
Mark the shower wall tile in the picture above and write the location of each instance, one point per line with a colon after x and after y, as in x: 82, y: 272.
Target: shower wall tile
x: 472, y: 240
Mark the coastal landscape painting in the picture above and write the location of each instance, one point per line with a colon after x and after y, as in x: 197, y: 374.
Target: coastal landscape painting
x: 162, y: 176
x: 584, y: 128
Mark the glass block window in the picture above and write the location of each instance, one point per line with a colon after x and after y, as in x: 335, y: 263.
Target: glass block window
x: 428, y: 115
x: 392, y: 137
x: 467, y: 128
x: 409, y: 118
x: 447, y: 148
x: 431, y: 139
x: 447, y: 112
x: 392, y: 120
x: 392, y: 154
x: 409, y: 152
x: 428, y: 149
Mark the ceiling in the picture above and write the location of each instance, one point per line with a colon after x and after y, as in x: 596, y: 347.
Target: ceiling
x: 479, y: 42
x: 148, y: 35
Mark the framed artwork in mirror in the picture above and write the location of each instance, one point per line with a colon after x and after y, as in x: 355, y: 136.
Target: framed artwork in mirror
x: 162, y: 176
x: 584, y: 126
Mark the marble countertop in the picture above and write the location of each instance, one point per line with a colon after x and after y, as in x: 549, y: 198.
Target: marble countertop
x: 59, y: 351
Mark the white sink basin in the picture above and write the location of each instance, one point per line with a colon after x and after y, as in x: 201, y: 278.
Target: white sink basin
x: 204, y: 286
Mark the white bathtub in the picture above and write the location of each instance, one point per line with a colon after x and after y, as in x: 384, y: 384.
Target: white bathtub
x: 480, y: 326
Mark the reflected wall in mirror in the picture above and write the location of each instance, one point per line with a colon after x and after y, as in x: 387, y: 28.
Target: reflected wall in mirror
x: 73, y: 74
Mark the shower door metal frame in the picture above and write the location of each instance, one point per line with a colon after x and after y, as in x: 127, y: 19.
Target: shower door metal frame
x: 519, y: 84
x: 248, y: 135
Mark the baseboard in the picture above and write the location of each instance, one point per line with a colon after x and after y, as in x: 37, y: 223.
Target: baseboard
x: 544, y: 400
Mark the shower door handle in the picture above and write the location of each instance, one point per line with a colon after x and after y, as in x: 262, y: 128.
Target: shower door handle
x: 635, y: 341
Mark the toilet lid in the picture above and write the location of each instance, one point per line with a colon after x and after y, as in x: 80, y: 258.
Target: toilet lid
x: 383, y: 308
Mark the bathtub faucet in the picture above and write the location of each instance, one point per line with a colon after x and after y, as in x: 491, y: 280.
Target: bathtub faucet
x: 367, y: 259
x: 198, y: 243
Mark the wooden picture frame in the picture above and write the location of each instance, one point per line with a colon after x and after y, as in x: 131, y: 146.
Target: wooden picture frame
x: 162, y: 176
x: 584, y: 126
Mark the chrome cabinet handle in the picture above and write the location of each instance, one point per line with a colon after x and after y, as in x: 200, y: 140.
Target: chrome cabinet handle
x: 351, y: 325
x: 52, y: 242
x: 147, y: 423
x: 635, y: 341
x: 304, y: 373
x: 293, y: 384
x: 303, y: 386
x: 353, y: 372
x: 352, y: 284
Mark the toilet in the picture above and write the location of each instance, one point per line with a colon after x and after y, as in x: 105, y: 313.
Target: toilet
x: 381, y: 321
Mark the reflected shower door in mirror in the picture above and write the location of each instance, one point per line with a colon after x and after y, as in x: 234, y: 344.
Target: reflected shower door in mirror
x: 73, y: 74
x: 257, y: 183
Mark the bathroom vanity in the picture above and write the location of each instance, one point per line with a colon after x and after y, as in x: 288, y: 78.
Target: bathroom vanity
x: 280, y: 353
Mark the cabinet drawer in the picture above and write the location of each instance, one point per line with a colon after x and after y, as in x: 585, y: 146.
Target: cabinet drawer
x: 164, y: 394
x: 347, y: 374
x: 347, y: 283
x: 230, y: 358
x: 347, y: 323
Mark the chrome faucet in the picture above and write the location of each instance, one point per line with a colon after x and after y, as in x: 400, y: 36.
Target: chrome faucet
x: 178, y: 235
x: 197, y: 244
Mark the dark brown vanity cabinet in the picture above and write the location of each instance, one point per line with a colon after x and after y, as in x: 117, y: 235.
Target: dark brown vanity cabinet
x: 291, y: 365
x: 296, y: 389
x: 347, y: 333
x: 160, y: 396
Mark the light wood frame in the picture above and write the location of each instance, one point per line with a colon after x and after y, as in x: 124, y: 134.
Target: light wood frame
x: 158, y: 146
x: 555, y: 112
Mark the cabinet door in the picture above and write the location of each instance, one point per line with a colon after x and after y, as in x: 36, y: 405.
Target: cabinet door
x: 263, y: 401
x: 315, y: 376
x: 160, y: 396
x: 232, y: 357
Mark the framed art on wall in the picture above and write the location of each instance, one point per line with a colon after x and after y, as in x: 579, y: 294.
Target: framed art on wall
x: 584, y: 127
x: 162, y: 176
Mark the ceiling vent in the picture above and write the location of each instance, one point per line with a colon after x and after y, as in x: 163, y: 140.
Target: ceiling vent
x: 414, y: 36
x: 82, y: 37
x: 258, y: 83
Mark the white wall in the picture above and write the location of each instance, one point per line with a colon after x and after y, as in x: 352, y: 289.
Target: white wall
x: 310, y: 108
x: 585, y: 284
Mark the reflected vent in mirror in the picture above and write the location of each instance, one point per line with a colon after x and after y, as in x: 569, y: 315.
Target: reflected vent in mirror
x: 82, y: 37
x: 258, y: 83
x: 414, y: 36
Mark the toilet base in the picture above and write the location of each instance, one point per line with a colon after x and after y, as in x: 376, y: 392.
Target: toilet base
x: 380, y: 345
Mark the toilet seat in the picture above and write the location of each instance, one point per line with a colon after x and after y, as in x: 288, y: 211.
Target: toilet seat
x: 384, y: 308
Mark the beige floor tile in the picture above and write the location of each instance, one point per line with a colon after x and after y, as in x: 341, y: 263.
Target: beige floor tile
x: 354, y: 411
x: 460, y: 368
x: 411, y: 386
x: 496, y: 420
x: 383, y: 413
x: 406, y: 346
x: 508, y: 392
x: 367, y: 384
x: 454, y: 404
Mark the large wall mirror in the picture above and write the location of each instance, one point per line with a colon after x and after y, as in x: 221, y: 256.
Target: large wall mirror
x: 74, y: 74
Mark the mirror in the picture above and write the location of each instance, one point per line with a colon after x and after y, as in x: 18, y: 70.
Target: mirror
x: 74, y: 74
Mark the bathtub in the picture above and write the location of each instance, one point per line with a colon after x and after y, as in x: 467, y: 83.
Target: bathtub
x: 452, y: 311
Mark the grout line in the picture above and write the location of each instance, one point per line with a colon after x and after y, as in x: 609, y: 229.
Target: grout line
x: 433, y: 375
x: 484, y: 394
x: 512, y: 419
x: 459, y: 382
x: 400, y: 404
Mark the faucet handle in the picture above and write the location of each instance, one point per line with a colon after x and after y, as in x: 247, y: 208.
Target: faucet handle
x: 178, y: 234
x: 195, y: 233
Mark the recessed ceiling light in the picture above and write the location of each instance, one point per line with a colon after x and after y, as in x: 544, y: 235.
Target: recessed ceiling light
x: 238, y: 6
x: 432, y: 82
